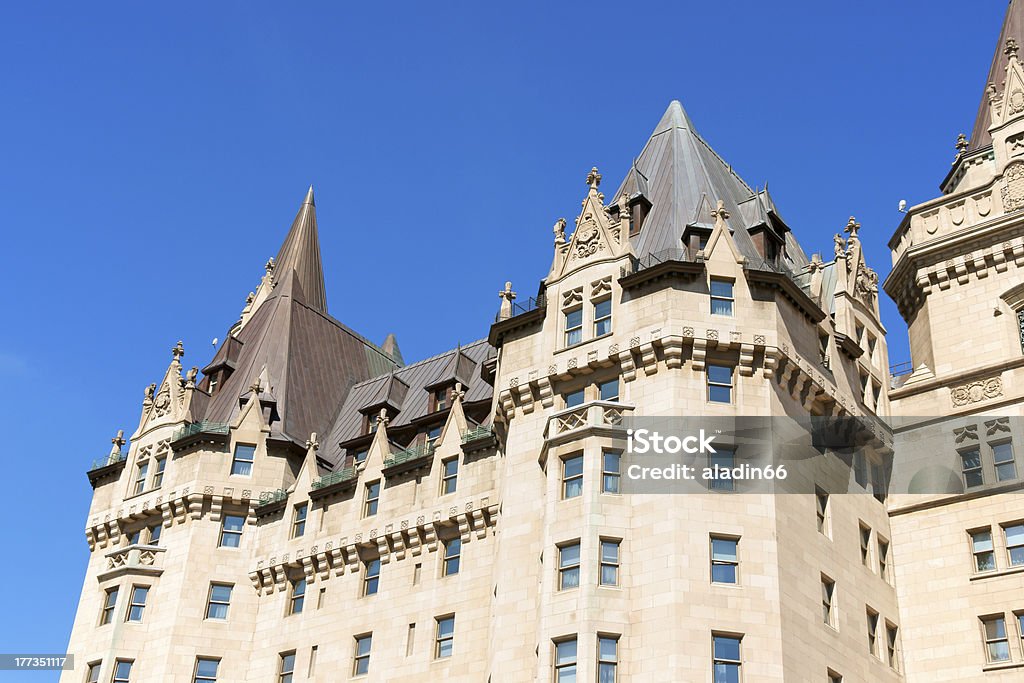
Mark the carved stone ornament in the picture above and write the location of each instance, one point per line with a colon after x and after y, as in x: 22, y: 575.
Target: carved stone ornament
x: 979, y: 390
x: 867, y: 283
x: 587, y: 242
x: 162, y: 401
x: 1015, y: 104
x: 1013, y: 187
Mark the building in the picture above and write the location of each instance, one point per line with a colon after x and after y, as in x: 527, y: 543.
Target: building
x: 314, y: 508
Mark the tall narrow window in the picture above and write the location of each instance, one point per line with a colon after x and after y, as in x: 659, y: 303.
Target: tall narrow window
x: 608, y: 391
x: 410, y: 640
x: 360, y: 456
x: 984, y: 553
x: 452, y: 557
x: 109, y: 604
x: 572, y: 476
x: 611, y: 474
x: 371, y: 577
x: 286, y: 669
x: 449, y: 475
x: 602, y: 317
x: 724, y: 559
x: 828, y: 589
x: 140, y: 477
x: 892, y: 634
x: 722, y: 463
x: 1006, y: 468
x: 877, y: 482
x: 299, y: 520
x: 883, y: 558
x: 93, y: 676
x: 245, y: 455
x: 970, y: 464
x: 218, y: 601
x: 719, y: 383
x: 154, y: 534
x: 568, y: 566
x: 206, y: 670
x: 361, y: 663
x: 433, y: 434
x: 231, y: 531
x: 821, y: 500
x: 727, y: 661
x: 444, y: 639
x: 609, y: 562
x: 565, y: 661
x: 440, y: 399
x: 122, y: 671
x: 573, y: 326
x: 721, y: 297
x: 298, y: 597
x: 872, y: 622
x: 997, y: 645
x: 158, y: 476
x: 865, y: 545
x: 372, y: 497
x: 607, y: 659
x: 137, y: 604
x: 1015, y: 544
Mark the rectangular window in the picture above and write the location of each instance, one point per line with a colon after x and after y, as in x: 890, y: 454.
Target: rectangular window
x: 1014, y: 544
x: 865, y: 545
x: 312, y: 658
x: 137, y: 604
x: 231, y: 531
x: 970, y: 464
x: 822, y: 504
x: 726, y: 658
x: 997, y: 645
x: 573, y: 326
x: 568, y: 566
x: 360, y: 456
x: 892, y: 634
x: 721, y: 297
x: 158, y: 476
x: 828, y: 589
x: 609, y: 562
x: 440, y: 399
x: 93, y: 675
x: 724, y: 559
x: 135, y: 537
x: 611, y: 463
x: 361, y: 663
x: 1006, y: 468
x: 432, y: 436
x: 371, y: 499
x: 122, y: 671
x: 572, y: 477
x: 877, y: 482
x: 607, y: 659
x: 371, y: 577
x: 565, y: 661
x: 109, y: 604
x: 872, y: 622
x: 719, y: 384
x: 823, y: 346
x: 206, y: 670
x: 721, y: 463
x: 154, y: 533
x: 445, y: 638
x: 883, y: 558
x: 140, y: 477
x: 299, y: 520
x: 608, y: 391
x: 286, y: 669
x: 298, y: 597
x: 218, y: 601
x: 452, y: 557
x: 984, y: 553
x: 602, y: 317
x: 245, y: 455
x: 410, y: 640
x: 449, y: 475
x: 574, y: 398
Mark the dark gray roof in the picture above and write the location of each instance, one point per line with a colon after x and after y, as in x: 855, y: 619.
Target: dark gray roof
x: 301, y: 252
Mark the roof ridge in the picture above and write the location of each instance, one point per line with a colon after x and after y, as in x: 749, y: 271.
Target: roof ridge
x: 412, y: 366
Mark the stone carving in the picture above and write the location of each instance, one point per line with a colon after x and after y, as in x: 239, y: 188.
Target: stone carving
x: 712, y: 334
x: 840, y: 246
x: 148, y: 392
x: 573, y: 296
x: 1000, y: 424
x: 966, y: 432
x: 1013, y: 187
x: 961, y: 144
x: 720, y: 215
x: 852, y: 226
x: 759, y: 339
x: 867, y: 283
x: 162, y: 401
x: 588, y: 236
x: 978, y: 390
x: 634, y: 342
x: 559, y: 231
x: 688, y: 332
x: 1015, y: 104
x: 594, y: 178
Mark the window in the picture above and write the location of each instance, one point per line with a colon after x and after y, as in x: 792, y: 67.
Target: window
x: 140, y: 477
x: 609, y: 561
x: 608, y: 391
x: 312, y: 661
x: 1014, y: 544
x: 298, y: 597
x: 602, y: 317
x: 833, y: 677
x: 719, y: 384
x: 877, y: 482
x: 607, y: 658
x: 432, y: 436
x: 1006, y: 468
x: 137, y: 604
x: 822, y: 504
x: 122, y: 671
x: 299, y: 520
x: 410, y: 639
x: 997, y: 646
x: 109, y: 603
x: 286, y: 670
x: 568, y: 566
x: 93, y: 676
x: 726, y: 658
x: 371, y: 577
x: 865, y: 545
x: 445, y: 638
x: 823, y: 346
x: 828, y: 589
x: 135, y: 537
x: 361, y: 664
x: 242, y: 462
x: 565, y: 661
x: 981, y: 547
x: 452, y: 557
x: 218, y: 601
x: 572, y: 477
x: 892, y: 633
x: 231, y: 531
x: 158, y: 476
x: 883, y: 557
x: 872, y: 621
x: 155, y: 532
x: 970, y: 463
x: 360, y: 456
x: 574, y: 399
x: 371, y: 424
x: 440, y: 399
x: 206, y: 670
x: 611, y: 463
x: 721, y: 297
x: 372, y: 498
x: 449, y: 475
x: 722, y: 463
x: 724, y: 560
x: 573, y: 326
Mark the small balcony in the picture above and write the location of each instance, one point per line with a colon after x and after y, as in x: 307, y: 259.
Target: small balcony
x: 110, y: 465
x: 205, y: 430
x: 271, y: 501
x: 478, y: 439
x: 595, y: 416
x: 138, y: 560
x: 408, y: 459
x: 334, y: 482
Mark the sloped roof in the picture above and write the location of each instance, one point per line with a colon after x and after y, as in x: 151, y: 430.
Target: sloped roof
x: 301, y: 252
x: 1013, y: 27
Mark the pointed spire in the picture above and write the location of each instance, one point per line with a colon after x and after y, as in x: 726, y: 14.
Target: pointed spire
x: 390, y: 347
x: 1011, y: 34
x: 301, y: 253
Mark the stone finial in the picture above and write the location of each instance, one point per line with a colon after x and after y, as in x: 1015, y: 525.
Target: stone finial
x: 178, y: 351
x: 382, y: 418
x: 962, y: 143
x: 190, y: 377
x: 815, y: 264
x: 840, y: 246
x: 457, y: 392
x: 250, y: 298
x: 1011, y: 48
x: 118, y: 441
x: 852, y: 226
x: 149, y: 391
x: 313, y: 442
x: 720, y: 214
x: 256, y: 386
x: 594, y: 178
x: 507, y: 296
x: 269, y: 265
x: 559, y: 231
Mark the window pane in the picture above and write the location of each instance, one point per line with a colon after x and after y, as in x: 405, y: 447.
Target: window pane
x: 606, y: 673
x: 720, y: 374
x: 221, y: 593
x: 568, y: 555
x: 721, y: 307
x: 721, y: 288
x: 609, y: 390
x: 723, y: 549
x: 607, y: 649
x: 573, y: 466
x: 982, y: 540
x: 1014, y: 535
x: 233, y: 523
x: 609, y: 552
x: 1006, y: 471
x: 363, y: 645
x: 999, y: 651
x: 207, y: 668
x: 574, y: 319
x: 727, y: 648
x: 1003, y: 452
x: 603, y: 309
x: 719, y: 394
x: 971, y: 459
x: 723, y: 573
x: 574, y: 399
x: 727, y: 673
x: 565, y: 652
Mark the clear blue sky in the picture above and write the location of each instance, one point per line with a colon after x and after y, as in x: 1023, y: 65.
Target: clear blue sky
x: 153, y: 158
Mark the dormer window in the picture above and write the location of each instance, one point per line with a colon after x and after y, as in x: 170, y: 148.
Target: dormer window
x: 440, y: 399
x: 370, y: 426
x: 432, y: 436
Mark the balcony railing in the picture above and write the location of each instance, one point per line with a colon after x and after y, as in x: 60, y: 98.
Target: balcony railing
x: 600, y: 414
x: 270, y: 497
x: 335, y: 477
x: 650, y: 260
x: 530, y: 304
x: 111, y: 459
x: 477, y: 433
x: 202, y: 427
x: 135, y: 559
x: 414, y: 453
x: 903, y: 368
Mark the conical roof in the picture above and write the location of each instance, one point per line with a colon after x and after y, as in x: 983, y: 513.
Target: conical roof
x: 1013, y: 27
x: 301, y: 252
